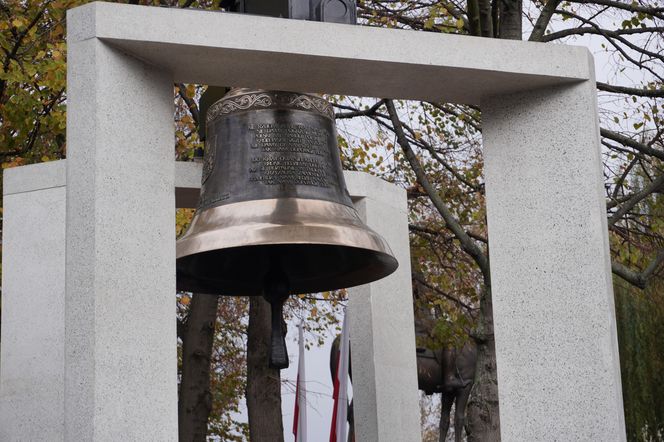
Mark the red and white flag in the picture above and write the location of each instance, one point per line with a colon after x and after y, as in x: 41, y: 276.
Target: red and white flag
x: 340, y: 411
x: 300, y: 415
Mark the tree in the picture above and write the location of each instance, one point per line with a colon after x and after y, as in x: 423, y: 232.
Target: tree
x: 195, y: 402
x: 263, y: 383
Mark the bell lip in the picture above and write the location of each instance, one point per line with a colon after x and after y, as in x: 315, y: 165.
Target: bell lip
x: 186, y: 283
x: 284, y: 221
x: 278, y: 221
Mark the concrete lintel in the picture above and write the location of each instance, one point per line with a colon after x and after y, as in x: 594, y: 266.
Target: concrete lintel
x: 228, y: 49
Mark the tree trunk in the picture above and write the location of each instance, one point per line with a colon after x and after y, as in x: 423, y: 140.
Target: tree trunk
x: 263, y: 383
x: 510, y: 19
x: 195, y: 402
x: 483, y: 421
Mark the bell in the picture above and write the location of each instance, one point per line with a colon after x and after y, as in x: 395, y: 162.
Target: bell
x: 274, y: 216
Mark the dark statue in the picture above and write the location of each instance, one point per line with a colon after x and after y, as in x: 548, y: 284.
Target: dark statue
x: 448, y: 371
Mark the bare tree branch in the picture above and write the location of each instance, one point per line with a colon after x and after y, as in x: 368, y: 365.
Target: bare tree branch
x: 426, y: 284
x: 595, y: 31
x: 467, y: 243
x: 650, y: 93
x: 420, y: 229
x: 636, y: 198
x: 627, y: 6
x: 358, y: 113
x: 626, y: 141
x: 543, y: 20
x: 639, y: 280
x: 191, y: 104
x: 612, y: 37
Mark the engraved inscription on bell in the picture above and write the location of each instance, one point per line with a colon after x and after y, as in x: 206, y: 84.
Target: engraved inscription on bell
x: 272, y: 149
x: 271, y: 166
x: 209, y: 158
x: 289, y: 138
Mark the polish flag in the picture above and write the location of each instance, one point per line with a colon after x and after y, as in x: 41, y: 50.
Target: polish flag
x: 300, y: 415
x: 340, y: 411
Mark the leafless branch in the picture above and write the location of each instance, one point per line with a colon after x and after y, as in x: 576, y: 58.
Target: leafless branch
x: 636, y: 198
x: 358, y: 113
x: 639, y: 280
x: 627, y: 6
x: 425, y: 283
x: 467, y: 243
x: 650, y: 93
x: 626, y: 141
x: 596, y: 31
x: 543, y: 20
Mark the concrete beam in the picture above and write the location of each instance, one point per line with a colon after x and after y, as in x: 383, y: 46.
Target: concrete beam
x: 226, y: 49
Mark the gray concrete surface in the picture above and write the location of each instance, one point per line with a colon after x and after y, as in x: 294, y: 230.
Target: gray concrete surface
x: 556, y: 345
x: 33, y: 309
x: 120, y: 330
x: 382, y: 330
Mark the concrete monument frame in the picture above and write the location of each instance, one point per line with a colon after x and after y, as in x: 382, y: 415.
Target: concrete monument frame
x: 558, y: 366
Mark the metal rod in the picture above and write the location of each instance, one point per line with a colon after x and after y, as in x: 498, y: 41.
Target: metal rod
x: 276, y: 292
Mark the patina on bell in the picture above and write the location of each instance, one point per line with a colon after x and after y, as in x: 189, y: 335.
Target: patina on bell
x: 274, y: 216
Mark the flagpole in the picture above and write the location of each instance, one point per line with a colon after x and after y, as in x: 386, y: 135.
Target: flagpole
x: 340, y: 411
x: 300, y: 414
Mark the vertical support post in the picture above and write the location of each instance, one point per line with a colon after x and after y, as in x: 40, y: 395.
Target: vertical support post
x: 382, y: 331
x: 120, y: 331
x: 555, y: 331
x: 33, y: 286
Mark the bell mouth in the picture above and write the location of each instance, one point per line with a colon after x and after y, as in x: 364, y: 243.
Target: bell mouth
x: 320, y: 245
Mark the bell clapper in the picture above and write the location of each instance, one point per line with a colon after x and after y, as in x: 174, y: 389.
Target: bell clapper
x: 276, y: 293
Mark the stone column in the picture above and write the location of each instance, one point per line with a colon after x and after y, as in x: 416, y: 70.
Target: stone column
x: 120, y: 330
x: 556, y: 345
x: 33, y: 286
x: 382, y: 330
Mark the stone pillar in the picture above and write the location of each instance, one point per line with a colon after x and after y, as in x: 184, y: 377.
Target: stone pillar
x: 120, y: 330
x: 33, y: 290
x: 382, y: 331
x: 558, y: 366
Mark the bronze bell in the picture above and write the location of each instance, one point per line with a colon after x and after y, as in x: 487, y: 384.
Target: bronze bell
x: 274, y: 216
